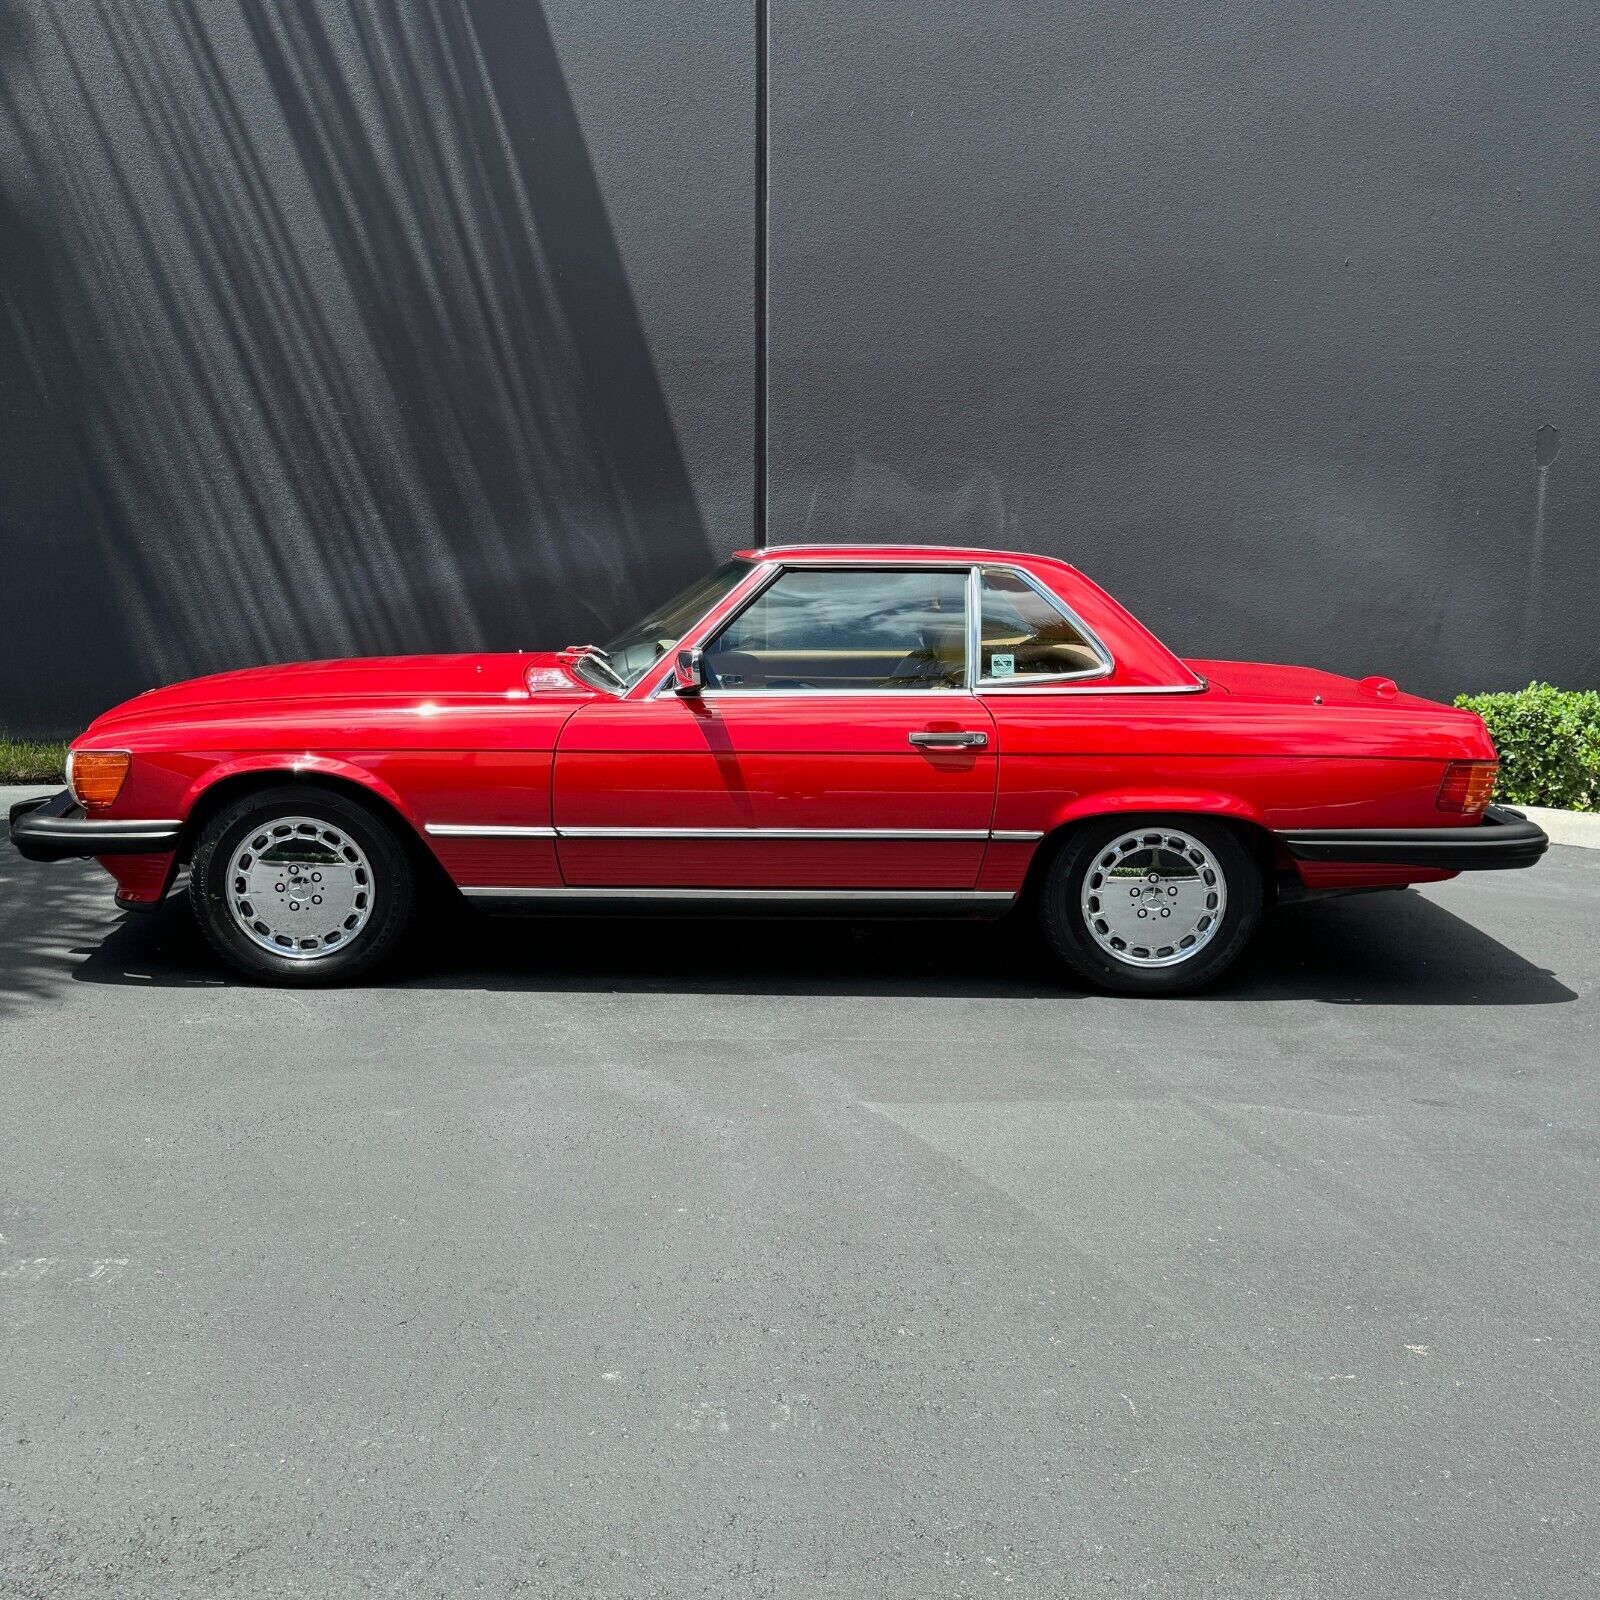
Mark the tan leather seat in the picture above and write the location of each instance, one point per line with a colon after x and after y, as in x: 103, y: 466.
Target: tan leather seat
x: 735, y: 669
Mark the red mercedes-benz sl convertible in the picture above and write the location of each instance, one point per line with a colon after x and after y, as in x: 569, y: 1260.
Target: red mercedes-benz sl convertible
x: 831, y: 730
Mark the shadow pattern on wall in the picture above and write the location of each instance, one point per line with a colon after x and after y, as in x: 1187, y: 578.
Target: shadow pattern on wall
x: 314, y: 339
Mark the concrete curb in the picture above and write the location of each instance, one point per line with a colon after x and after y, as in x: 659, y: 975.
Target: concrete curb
x: 10, y: 793
x: 1581, y: 828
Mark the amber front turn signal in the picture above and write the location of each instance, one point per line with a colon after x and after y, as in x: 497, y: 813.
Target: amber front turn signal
x: 1467, y: 786
x: 95, y: 777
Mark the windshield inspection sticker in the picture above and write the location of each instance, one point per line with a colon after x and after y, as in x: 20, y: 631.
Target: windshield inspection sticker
x: 1002, y: 666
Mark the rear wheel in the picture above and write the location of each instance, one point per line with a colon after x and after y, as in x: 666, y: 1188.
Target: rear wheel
x: 1150, y: 905
x: 302, y: 884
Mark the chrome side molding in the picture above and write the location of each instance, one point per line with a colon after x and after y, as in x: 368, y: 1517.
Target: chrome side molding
x: 459, y: 830
x: 882, y: 835
x: 493, y: 830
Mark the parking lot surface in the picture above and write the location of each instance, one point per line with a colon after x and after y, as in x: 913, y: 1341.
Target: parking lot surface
x: 680, y: 1259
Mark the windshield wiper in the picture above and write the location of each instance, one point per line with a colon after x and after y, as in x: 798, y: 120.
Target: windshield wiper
x: 593, y: 652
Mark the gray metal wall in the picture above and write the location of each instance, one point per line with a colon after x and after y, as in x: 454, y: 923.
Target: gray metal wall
x: 342, y: 327
x: 1252, y: 310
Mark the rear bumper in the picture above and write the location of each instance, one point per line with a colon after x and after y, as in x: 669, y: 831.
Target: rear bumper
x: 54, y: 828
x: 1505, y: 838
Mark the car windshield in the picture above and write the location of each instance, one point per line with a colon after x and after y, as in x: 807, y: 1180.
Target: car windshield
x: 622, y: 661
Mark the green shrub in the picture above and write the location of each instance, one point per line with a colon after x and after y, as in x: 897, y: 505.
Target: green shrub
x: 1549, y: 744
x: 30, y: 760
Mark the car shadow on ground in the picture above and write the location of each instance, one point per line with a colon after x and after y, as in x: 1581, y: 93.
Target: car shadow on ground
x: 1389, y: 949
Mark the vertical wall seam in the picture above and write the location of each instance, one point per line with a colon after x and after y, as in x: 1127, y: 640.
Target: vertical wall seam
x: 762, y: 187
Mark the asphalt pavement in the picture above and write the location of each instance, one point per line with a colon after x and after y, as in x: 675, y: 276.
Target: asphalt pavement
x: 683, y: 1259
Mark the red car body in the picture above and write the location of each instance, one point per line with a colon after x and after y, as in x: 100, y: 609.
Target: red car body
x: 529, y: 786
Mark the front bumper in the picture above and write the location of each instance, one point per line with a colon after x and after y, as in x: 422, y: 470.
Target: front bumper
x: 54, y: 828
x: 1505, y: 838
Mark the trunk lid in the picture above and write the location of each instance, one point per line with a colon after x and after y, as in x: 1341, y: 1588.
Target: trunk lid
x: 1265, y: 681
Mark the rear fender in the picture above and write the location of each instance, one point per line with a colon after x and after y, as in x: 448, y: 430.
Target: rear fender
x: 1013, y: 862
x: 1201, y: 802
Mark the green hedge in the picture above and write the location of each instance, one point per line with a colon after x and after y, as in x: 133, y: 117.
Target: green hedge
x: 1549, y: 744
x: 30, y: 760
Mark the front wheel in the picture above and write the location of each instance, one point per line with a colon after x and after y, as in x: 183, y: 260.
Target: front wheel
x: 301, y: 884
x: 1150, y: 905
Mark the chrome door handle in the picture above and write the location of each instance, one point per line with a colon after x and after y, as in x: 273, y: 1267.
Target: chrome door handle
x: 949, y: 741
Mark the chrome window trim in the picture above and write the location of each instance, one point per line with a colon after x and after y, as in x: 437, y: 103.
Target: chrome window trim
x: 833, y: 694
x: 766, y: 570
x: 630, y: 691
x: 763, y: 574
x: 990, y: 686
x: 974, y: 626
x: 1043, y: 679
x: 775, y: 552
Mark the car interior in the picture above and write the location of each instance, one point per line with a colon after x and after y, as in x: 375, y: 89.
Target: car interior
x: 834, y: 630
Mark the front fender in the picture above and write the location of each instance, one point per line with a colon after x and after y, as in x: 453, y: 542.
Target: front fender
x: 267, y: 764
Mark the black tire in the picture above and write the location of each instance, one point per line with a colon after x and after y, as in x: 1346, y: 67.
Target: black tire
x: 393, y: 890
x: 1067, y: 934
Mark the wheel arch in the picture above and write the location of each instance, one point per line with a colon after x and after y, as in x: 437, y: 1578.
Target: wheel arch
x: 226, y: 783
x: 1242, y: 820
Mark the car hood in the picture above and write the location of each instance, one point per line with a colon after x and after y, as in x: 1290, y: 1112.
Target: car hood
x: 439, y: 680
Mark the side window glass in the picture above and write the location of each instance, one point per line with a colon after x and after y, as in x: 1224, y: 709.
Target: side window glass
x: 1025, y: 636
x: 828, y: 629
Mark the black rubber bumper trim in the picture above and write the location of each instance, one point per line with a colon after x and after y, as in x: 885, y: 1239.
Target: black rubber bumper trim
x: 1505, y: 838
x: 54, y: 828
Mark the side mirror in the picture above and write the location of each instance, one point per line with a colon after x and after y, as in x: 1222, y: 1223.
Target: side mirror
x: 689, y: 672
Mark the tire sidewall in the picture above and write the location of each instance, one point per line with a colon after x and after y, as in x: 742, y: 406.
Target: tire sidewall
x: 393, y: 883
x: 1061, y: 916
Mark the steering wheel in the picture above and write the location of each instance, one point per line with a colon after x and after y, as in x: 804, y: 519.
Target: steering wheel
x: 921, y: 665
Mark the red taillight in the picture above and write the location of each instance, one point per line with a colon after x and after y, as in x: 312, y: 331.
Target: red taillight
x: 1467, y: 786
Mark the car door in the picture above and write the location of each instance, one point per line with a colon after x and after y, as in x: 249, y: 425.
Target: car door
x: 836, y: 745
